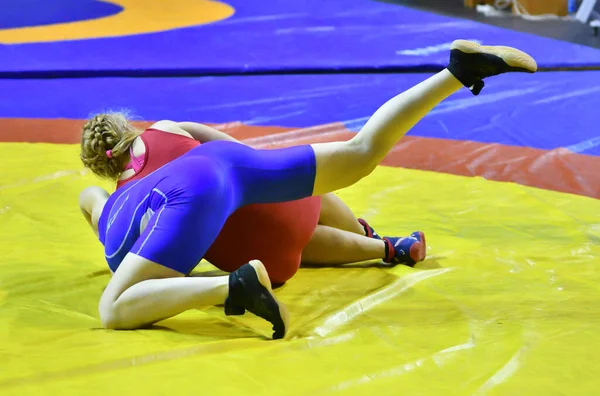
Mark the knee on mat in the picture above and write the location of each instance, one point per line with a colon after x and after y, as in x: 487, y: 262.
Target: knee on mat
x: 108, y: 321
x: 109, y: 318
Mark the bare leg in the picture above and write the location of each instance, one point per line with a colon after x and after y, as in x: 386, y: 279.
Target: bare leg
x: 331, y: 246
x: 142, y: 292
x: 335, y: 213
x: 341, y: 164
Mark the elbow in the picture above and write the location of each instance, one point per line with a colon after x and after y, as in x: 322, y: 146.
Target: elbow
x: 83, y: 201
x: 91, y: 196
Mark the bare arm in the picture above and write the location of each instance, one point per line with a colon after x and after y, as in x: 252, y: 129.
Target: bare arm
x: 204, y: 133
x: 200, y: 132
x: 91, y: 203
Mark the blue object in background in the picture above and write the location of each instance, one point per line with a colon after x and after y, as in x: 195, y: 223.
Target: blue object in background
x: 572, y: 6
x: 28, y: 13
x: 276, y: 36
x: 526, y: 110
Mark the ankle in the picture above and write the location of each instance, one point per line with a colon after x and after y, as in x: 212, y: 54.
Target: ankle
x: 388, y: 252
x: 457, y: 69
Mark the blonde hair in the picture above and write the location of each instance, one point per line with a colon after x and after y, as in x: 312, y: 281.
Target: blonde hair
x: 108, y: 131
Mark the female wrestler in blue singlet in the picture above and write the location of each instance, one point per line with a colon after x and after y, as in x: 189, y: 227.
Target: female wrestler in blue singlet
x: 156, y: 230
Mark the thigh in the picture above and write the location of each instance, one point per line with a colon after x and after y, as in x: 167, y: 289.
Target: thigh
x: 339, y: 165
x: 133, y: 269
x: 335, y: 213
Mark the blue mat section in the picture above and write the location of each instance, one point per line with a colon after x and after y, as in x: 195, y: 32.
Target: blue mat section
x: 544, y: 110
x: 283, y: 35
x: 24, y: 13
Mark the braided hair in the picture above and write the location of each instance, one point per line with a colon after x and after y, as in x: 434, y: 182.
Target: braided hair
x: 105, y: 143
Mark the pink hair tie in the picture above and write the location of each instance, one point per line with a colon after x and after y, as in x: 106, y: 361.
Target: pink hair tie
x: 109, y: 153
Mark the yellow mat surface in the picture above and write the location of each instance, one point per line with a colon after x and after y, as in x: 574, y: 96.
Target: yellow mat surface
x: 507, y: 302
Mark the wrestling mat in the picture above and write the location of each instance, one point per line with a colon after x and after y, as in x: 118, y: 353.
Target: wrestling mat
x: 504, y: 184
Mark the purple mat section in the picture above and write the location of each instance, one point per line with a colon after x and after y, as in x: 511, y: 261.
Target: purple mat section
x: 285, y: 36
x: 543, y: 110
x: 13, y: 15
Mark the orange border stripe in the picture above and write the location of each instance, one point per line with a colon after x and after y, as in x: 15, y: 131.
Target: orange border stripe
x: 559, y: 170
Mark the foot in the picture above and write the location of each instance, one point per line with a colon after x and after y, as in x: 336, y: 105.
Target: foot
x: 250, y: 289
x: 470, y: 63
x: 408, y: 250
x: 369, y: 231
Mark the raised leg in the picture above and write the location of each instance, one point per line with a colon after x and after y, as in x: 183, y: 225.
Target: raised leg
x: 341, y: 164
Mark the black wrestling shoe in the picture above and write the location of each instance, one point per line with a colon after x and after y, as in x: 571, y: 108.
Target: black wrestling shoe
x: 470, y: 63
x: 250, y: 289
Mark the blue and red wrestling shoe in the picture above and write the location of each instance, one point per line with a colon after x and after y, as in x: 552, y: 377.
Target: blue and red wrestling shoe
x: 400, y: 250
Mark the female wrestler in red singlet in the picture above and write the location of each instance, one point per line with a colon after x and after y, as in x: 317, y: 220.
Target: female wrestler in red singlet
x: 315, y: 230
